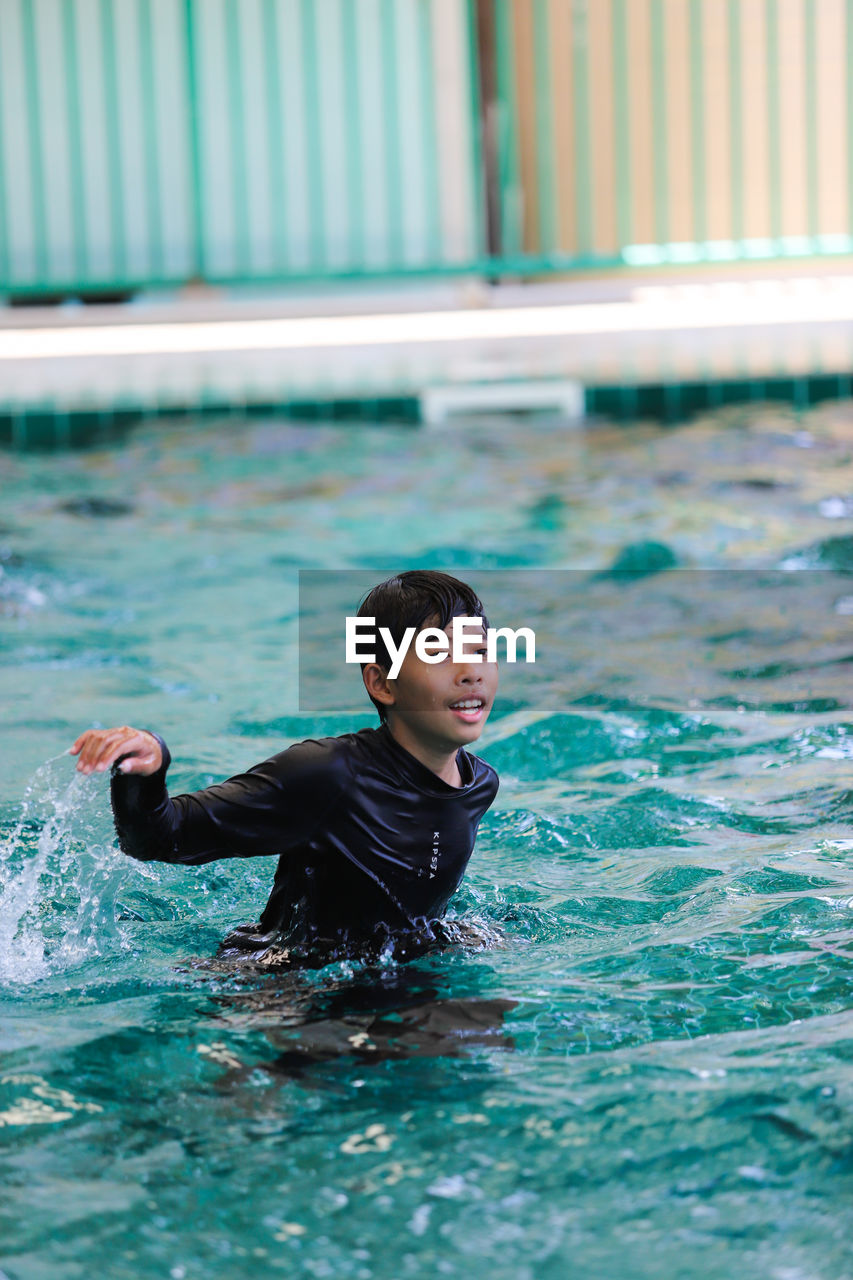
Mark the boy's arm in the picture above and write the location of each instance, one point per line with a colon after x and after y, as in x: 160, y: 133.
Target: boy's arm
x: 272, y: 807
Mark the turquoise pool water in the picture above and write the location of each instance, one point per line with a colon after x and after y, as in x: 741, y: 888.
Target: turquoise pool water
x: 644, y: 1068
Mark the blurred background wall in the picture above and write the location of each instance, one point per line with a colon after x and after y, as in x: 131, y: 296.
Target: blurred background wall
x: 147, y: 142
x: 675, y: 130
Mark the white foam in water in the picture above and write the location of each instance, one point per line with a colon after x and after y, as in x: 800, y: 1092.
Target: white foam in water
x: 57, y: 895
x: 19, y: 595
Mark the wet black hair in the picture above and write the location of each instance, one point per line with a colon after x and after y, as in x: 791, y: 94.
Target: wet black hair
x: 412, y: 599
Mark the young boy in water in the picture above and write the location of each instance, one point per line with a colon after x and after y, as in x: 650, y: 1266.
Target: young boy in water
x: 373, y: 830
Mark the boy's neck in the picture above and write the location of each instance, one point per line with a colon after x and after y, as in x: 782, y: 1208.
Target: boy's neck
x: 442, y: 763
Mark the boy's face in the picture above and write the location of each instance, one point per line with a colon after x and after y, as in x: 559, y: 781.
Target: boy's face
x: 445, y: 704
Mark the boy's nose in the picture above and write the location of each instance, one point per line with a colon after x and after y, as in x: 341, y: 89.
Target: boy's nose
x: 469, y: 672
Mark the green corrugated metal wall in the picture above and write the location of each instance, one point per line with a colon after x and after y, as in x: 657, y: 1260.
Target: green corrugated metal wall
x: 158, y: 141
x: 146, y: 141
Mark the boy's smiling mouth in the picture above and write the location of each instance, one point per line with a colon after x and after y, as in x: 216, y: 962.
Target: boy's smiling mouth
x: 468, y: 709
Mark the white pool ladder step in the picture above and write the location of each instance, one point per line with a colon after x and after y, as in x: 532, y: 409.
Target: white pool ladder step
x: 439, y: 403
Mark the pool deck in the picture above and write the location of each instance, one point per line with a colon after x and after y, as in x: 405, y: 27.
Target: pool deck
x: 460, y: 339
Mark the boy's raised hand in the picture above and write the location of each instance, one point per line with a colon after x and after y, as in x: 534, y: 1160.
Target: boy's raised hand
x: 100, y: 748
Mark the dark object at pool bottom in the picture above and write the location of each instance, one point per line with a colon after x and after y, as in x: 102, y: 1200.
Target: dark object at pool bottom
x: 434, y: 1029
x: 368, y: 1017
x: 96, y: 508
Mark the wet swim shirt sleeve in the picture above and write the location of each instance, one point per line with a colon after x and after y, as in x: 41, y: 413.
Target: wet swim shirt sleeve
x: 271, y: 807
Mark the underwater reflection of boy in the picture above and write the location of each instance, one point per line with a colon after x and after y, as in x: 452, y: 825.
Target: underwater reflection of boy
x: 373, y: 829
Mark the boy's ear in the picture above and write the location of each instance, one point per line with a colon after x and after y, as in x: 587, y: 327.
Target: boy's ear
x: 376, y: 683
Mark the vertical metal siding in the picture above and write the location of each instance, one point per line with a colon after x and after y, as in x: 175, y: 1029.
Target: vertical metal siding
x: 831, y: 122
x: 675, y: 130
x: 460, y: 201
x: 146, y: 141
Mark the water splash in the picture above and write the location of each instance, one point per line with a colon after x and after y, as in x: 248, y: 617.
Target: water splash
x: 59, y: 875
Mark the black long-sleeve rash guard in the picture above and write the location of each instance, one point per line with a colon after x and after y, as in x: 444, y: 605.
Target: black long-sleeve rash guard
x: 367, y: 838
